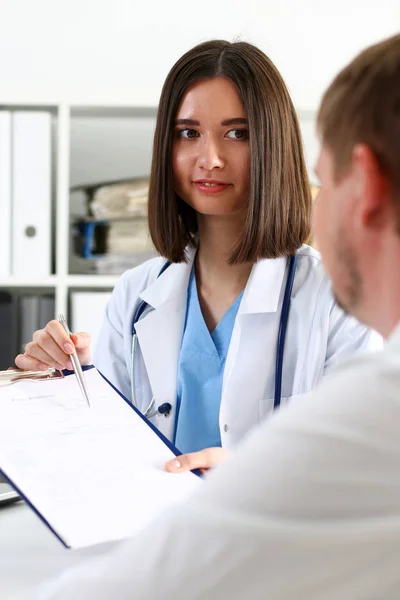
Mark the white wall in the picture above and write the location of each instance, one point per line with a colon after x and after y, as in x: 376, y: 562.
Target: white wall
x: 121, y: 50
x: 110, y: 149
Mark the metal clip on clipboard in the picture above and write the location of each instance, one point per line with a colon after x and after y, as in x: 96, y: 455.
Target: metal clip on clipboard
x: 13, y: 375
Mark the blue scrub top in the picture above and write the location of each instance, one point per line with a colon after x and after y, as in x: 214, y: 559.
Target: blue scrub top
x: 200, y: 374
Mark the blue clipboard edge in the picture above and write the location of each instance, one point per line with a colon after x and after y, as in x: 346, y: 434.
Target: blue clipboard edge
x: 33, y: 507
x: 156, y: 431
x: 166, y: 441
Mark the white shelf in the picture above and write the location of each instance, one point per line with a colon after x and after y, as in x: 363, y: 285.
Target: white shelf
x: 69, y: 281
x: 34, y: 282
x: 61, y: 282
x: 113, y: 111
x: 91, y: 281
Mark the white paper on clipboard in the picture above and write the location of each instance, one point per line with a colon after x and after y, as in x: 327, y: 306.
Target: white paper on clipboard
x: 64, y: 458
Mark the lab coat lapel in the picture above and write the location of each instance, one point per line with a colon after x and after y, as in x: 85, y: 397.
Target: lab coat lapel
x: 264, y: 287
x: 252, y: 349
x: 262, y: 295
x: 160, y: 333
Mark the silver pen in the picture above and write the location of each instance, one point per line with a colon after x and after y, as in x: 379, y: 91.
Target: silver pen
x: 75, y: 363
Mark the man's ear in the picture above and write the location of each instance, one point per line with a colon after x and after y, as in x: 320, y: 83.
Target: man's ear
x: 372, y: 188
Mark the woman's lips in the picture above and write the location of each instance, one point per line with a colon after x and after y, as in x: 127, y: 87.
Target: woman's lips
x: 211, y: 187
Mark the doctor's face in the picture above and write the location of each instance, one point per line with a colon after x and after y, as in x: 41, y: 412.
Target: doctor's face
x: 335, y: 233
x: 210, y: 151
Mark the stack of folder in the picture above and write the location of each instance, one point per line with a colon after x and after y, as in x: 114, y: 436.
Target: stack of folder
x: 113, y: 236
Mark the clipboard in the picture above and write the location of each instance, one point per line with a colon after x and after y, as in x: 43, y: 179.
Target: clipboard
x: 10, y: 377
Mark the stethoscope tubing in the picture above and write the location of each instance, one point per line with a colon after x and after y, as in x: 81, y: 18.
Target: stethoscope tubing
x: 280, y: 346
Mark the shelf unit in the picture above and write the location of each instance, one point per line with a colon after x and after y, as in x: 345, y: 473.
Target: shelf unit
x: 61, y: 281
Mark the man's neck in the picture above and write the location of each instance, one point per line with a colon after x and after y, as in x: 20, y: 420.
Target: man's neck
x: 383, y: 306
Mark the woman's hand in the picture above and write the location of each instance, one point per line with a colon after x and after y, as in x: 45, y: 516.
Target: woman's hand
x: 204, y: 460
x: 51, y: 347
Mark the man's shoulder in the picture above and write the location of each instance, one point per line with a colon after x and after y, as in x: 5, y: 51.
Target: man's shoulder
x: 369, y: 368
x: 364, y: 386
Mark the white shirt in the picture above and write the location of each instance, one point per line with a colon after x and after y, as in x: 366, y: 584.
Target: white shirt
x: 318, y: 334
x: 307, y: 509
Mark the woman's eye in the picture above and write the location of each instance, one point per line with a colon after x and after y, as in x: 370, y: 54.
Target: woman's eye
x: 187, y: 134
x: 238, y: 134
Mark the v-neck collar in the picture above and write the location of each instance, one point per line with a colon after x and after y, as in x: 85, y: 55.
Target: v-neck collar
x: 214, y: 339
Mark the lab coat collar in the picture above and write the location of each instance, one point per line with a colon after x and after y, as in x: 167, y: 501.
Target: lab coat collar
x: 172, y: 283
x: 264, y: 286
x: 261, y: 294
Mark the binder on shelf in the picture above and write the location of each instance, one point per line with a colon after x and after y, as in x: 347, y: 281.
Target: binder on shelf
x: 5, y: 193
x: 28, y: 319
x: 47, y: 310
x: 88, y: 310
x: 31, y: 194
x: 8, y: 329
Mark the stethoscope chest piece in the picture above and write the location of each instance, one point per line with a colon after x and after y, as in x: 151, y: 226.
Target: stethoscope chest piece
x: 163, y: 409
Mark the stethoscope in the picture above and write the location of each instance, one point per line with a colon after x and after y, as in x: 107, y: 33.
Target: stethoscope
x: 166, y: 407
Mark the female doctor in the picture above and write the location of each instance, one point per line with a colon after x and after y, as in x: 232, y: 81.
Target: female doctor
x: 229, y: 208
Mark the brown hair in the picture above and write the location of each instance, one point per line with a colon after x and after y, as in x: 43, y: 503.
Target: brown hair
x: 362, y: 105
x: 278, y: 217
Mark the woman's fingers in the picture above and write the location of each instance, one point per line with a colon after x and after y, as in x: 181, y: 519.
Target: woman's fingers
x: 54, y: 340
x: 52, y: 357
x: 36, y: 359
x: 82, y: 344
x: 51, y: 347
x: 204, y: 460
x: 27, y: 363
x: 81, y: 340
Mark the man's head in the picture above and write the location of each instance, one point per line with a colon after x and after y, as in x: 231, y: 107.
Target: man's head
x: 357, y: 212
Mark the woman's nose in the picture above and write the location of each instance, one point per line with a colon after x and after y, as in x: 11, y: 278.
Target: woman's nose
x: 210, y: 156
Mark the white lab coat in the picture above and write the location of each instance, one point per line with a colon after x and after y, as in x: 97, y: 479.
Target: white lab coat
x: 307, y: 509
x: 318, y: 334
